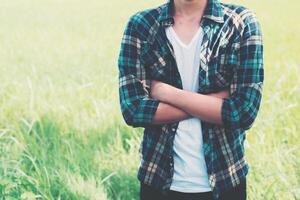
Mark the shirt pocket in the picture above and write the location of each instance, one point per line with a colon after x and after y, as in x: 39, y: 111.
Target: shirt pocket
x: 155, y: 61
x: 221, y: 43
x: 220, y: 71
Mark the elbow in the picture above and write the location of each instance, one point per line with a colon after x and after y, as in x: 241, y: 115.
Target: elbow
x: 249, y: 112
x: 247, y: 121
x: 128, y: 120
x: 244, y: 121
x: 128, y: 115
x: 139, y: 113
x: 133, y: 123
x: 239, y: 117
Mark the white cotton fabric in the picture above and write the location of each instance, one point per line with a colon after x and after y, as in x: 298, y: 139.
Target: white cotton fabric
x: 190, y: 172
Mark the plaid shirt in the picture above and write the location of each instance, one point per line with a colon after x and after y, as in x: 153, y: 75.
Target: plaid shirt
x: 231, y: 58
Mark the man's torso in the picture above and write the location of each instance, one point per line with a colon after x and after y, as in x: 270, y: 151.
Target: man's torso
x: 223, y: 149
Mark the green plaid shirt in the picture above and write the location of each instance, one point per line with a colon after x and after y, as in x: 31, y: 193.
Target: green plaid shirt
x: 231, y: 58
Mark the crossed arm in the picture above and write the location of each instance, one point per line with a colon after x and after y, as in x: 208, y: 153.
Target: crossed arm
x: 176, y: 104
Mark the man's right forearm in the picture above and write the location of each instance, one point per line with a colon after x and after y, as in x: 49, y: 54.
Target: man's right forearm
x: 167, y: 113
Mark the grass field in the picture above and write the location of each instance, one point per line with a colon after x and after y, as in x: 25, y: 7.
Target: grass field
x: 61, y: 131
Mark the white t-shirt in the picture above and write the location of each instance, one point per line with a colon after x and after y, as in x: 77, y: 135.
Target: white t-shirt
x: 190, y: 172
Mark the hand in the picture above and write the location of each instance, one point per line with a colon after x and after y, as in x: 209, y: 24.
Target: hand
x: 159, y: 90
x: 221, y: 94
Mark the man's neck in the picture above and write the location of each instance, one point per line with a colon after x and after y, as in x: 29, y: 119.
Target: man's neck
x: 189, y: 9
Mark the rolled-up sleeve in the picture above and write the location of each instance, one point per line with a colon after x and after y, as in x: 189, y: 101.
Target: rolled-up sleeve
x: 240, y: 109
x: 137, y: 107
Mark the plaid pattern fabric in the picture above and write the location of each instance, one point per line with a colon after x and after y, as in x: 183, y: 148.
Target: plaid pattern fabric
x: 231, y: 58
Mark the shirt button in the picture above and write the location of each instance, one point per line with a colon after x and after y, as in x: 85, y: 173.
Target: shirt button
x: 173, y: 129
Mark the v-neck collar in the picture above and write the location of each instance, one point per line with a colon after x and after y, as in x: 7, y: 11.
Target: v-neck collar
x: 187, y: 46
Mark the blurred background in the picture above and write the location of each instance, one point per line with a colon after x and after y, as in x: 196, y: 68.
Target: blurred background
x: 61, y: 131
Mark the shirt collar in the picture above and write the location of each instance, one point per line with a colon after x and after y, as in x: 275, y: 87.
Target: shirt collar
x: 213, y: 11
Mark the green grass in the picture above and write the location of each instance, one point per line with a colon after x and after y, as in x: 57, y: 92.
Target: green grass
x: 61, y: 131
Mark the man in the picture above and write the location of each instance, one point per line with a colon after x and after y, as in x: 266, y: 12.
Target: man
x: 191, y: 73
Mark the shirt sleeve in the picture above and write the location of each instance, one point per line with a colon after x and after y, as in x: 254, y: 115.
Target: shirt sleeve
x: 137, y: 107
x: 240, y: 109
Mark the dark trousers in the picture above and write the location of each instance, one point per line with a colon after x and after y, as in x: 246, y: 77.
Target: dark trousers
x: 149, y: 193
